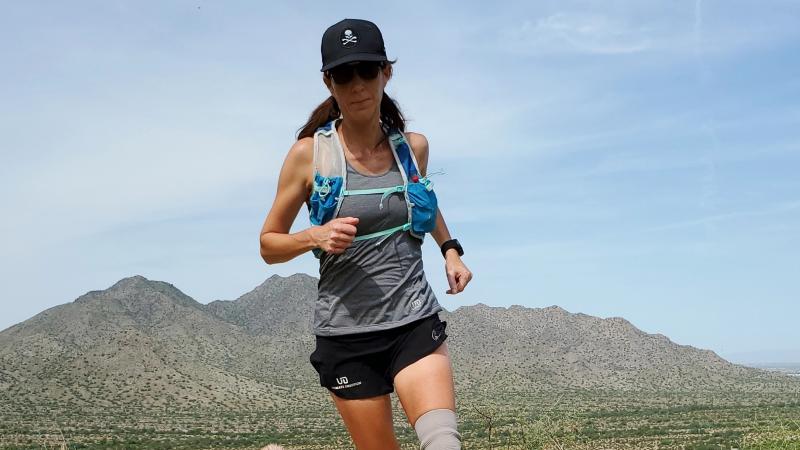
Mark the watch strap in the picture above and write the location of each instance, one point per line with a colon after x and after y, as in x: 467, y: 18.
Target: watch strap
x: 452, y: 243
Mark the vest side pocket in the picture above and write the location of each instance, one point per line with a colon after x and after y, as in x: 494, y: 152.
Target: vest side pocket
x: 423, y: 208
x: 324, y: 198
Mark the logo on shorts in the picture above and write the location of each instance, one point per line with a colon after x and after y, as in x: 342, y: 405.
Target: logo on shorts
x: 435, y: 336
x: 416, y: 303
x: 344, y: 383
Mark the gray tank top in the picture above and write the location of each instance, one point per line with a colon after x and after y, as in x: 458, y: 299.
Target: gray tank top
x: 373, y: 287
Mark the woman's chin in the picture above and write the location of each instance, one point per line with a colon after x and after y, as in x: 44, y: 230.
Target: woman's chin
x: 362, y: 113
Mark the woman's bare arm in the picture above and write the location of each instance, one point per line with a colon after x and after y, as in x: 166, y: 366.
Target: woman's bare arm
x: 277, y: 245
x: 419, y: 145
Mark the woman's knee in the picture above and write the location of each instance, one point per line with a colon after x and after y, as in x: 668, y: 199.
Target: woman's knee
x: 437, y: 430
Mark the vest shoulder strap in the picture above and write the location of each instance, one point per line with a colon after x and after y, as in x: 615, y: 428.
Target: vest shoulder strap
x: 328, y: 156
x: 404, y: 153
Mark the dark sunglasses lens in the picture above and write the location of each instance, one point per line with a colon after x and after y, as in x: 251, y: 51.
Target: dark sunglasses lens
x: 368, y: 71
x: 344, y: 73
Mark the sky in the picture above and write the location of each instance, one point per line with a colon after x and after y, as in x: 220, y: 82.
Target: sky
x: 619, y: 159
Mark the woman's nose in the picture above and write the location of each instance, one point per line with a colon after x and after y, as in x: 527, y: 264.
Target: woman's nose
x: 357, y: 84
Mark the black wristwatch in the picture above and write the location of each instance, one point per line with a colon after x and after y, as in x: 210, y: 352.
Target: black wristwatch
x: 452, y: 243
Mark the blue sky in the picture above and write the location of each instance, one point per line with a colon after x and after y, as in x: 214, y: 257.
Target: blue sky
x: 621, y: 158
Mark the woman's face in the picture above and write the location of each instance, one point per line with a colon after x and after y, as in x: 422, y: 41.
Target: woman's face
x: 360, y: 99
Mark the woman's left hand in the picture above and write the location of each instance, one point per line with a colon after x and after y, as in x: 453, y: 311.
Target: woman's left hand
x: 457, y: 273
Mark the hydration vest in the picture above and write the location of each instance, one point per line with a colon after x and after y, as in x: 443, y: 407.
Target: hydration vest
x: 330, y: 185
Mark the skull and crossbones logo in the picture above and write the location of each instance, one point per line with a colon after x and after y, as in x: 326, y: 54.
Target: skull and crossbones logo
x: 349, y: 39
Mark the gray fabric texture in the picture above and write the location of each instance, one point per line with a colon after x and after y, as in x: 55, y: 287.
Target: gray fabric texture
x: 373, y: 287
x: 437, y: 430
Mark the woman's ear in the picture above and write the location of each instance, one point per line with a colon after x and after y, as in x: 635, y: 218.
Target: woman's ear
x: 327, y: 82
x: 387, y: 74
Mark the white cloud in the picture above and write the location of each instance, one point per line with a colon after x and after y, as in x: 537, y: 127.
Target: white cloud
x: 680, y: 29
x: 576, y: 32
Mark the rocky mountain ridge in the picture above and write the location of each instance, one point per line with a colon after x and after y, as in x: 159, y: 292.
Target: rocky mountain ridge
x: 145, y: 343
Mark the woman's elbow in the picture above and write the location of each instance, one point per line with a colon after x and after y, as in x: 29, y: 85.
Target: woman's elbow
x: 264, y: 250
x: 266, y: 258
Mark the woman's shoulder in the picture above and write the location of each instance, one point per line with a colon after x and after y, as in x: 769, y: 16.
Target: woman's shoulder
x: 416, y: 140
x: 301, y: 158
x: 302, y: 152
x: 419, y: 145
x: 303, y: 147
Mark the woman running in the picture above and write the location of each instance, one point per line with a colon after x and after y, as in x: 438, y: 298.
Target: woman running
x: 364, y: 181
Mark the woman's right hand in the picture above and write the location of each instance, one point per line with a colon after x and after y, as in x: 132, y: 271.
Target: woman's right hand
x: 335, y: 235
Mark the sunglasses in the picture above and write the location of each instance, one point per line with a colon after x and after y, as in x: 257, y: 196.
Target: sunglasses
x: 367, y: 70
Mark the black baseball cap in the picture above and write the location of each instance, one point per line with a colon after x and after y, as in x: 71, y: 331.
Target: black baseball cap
x: 351, y: 40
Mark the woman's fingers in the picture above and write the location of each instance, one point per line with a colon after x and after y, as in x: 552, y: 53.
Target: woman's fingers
x: 345, y: 229
x: 463, y: 279
x: 457, y: 276
x: 451, y: 280
x: 341, y: 232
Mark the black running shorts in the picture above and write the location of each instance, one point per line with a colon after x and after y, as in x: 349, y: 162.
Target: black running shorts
x: 364, y: 365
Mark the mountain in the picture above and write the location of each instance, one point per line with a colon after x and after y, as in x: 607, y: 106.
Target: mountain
x: 536, y: 348
x: 145, y: 343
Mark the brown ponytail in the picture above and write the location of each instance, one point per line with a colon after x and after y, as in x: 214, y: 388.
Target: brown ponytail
x: 329, y: 110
